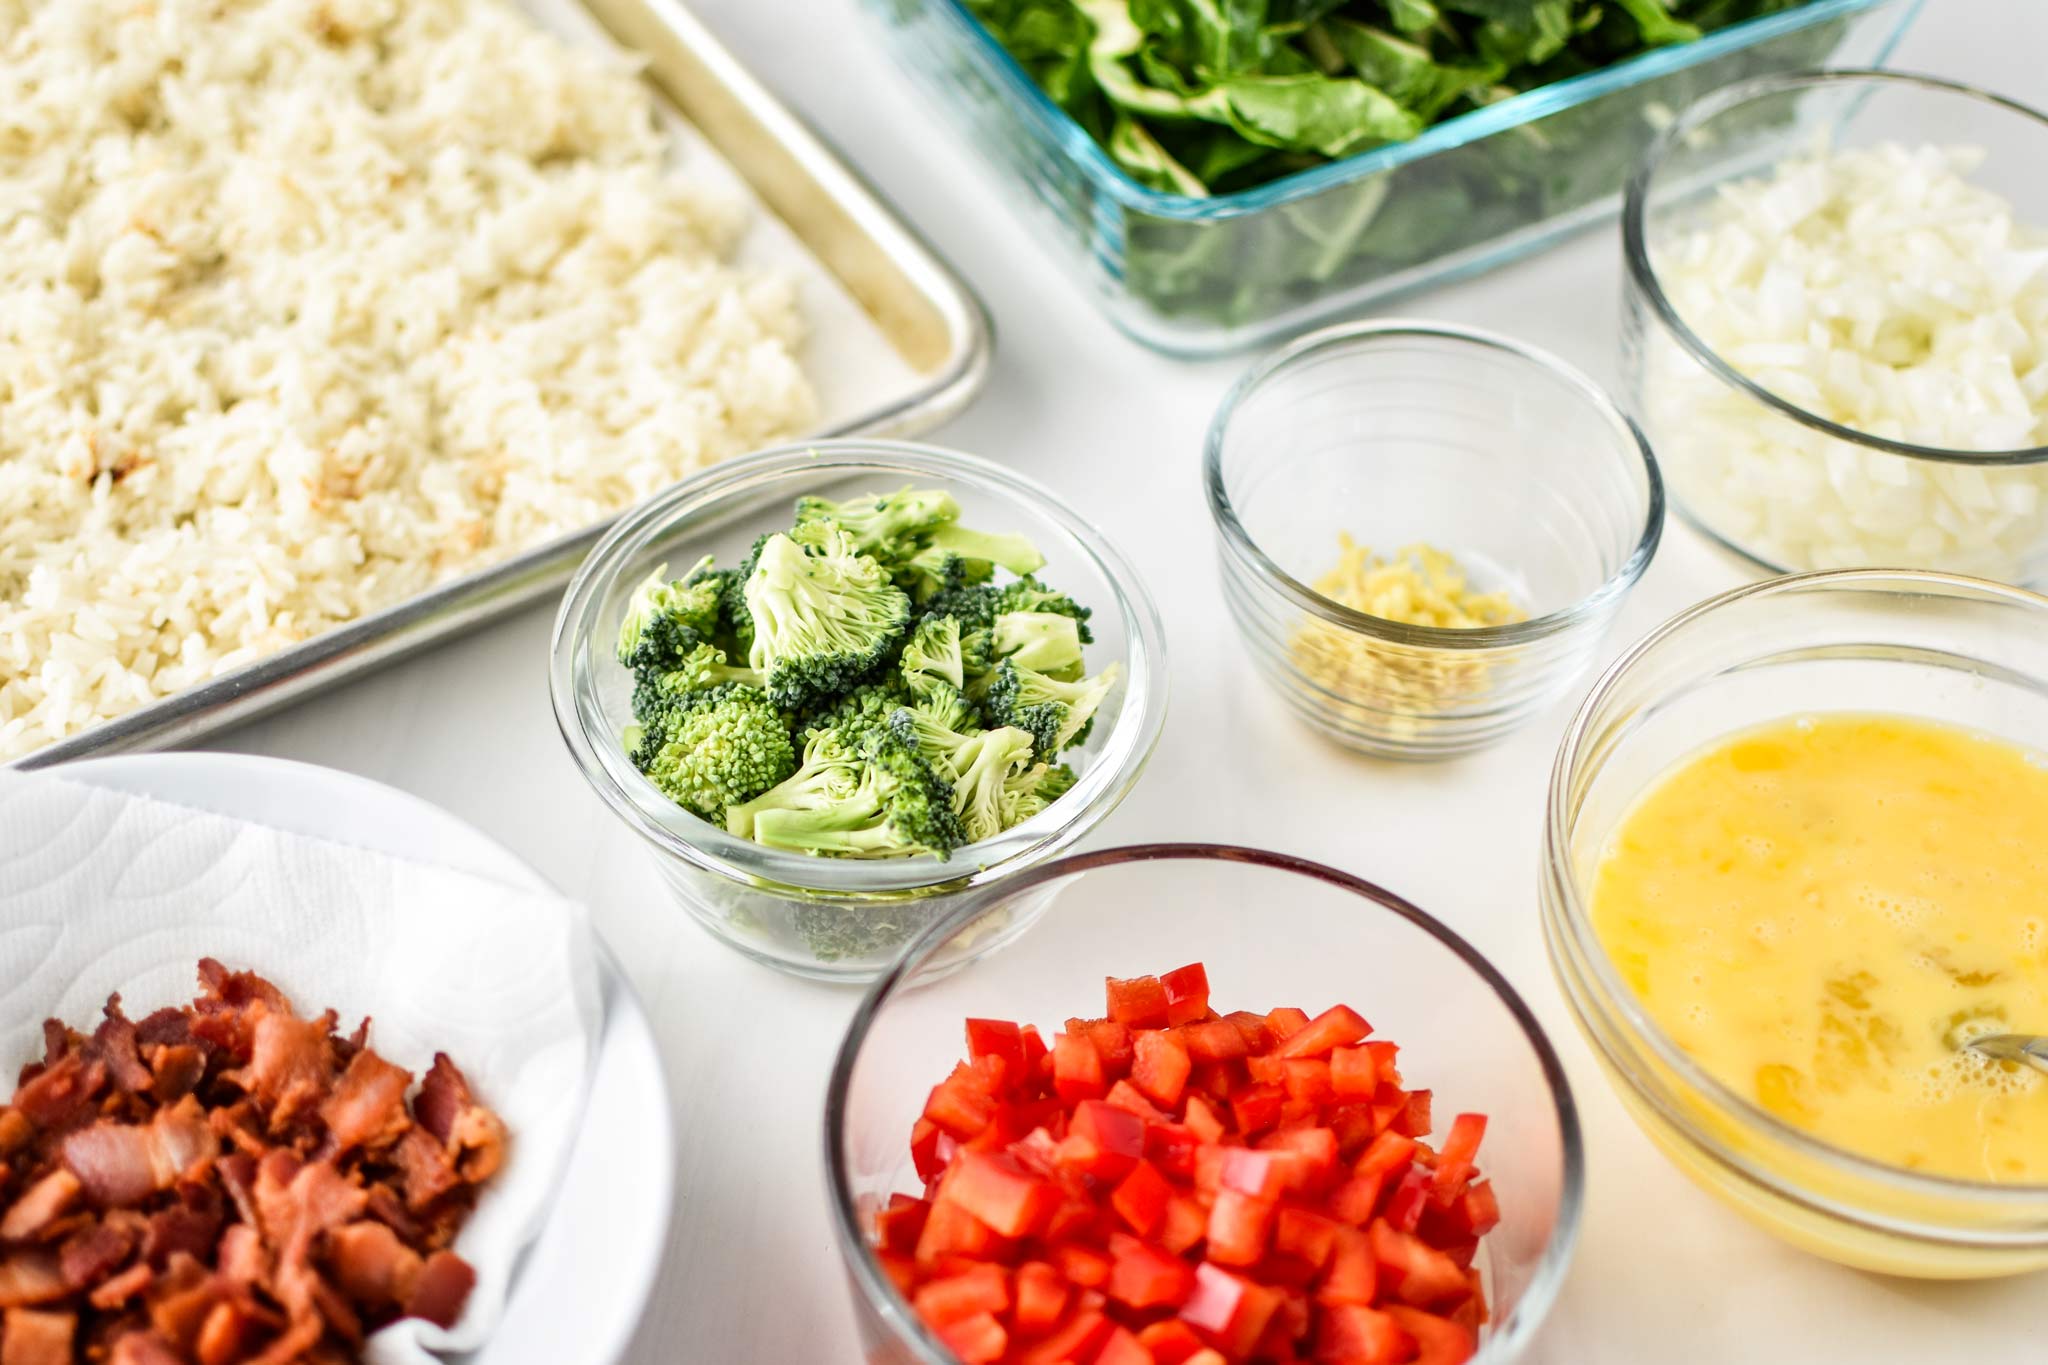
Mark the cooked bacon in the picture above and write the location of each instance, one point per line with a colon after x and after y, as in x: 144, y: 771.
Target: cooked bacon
x: 176, y: 1070
x: 144, y: 1348
x: 442, y: 1289
x: 45, y: 1202
x: 91, y: 1254
x: 122, y: 1164
x: 229, y: 1184
x: 29, y: 1277
x: 117, y: 1290
x: 30, y: 1337
x: 60, y: 1090
x: 367, y: 1108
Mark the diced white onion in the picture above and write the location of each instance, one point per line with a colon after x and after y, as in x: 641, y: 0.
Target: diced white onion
x: 1879, y: 289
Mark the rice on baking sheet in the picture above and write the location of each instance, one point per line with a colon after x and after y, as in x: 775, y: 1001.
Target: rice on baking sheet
x: 307, y: 305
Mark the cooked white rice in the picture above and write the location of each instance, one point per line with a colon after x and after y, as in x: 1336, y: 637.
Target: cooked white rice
x: 306, y: 305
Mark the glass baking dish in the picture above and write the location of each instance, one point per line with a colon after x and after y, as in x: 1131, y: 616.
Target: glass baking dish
x: 1202, y: 276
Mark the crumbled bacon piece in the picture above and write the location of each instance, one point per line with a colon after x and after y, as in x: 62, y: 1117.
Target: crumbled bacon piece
x: 230, y: 1184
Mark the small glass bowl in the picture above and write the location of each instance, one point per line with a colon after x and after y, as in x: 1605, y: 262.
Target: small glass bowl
x: 1273, y: 930
x: 1958, y: 650
x: 1770, y: 479
x: 840, y: 918
x: 1398, y: 432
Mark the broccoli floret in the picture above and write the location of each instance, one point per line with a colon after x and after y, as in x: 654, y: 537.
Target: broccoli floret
x: 1027, y: 793
x: 984, y: 763
x: 1013, y: 552
x: 1056, y: 713
x: 714, y: 749
x: 826, y: 618
x: 665, y: 619
x: 939, y: 655
x: 889, y: 526
x: 700, y: 670
x: 860, y: 714
x: 869, y: 800
x: 835, y: 931
x: 1043, y: 641
x: 932, y: 571
x: 977, y: 606
x: 735, y: 629
x: 936, y: 727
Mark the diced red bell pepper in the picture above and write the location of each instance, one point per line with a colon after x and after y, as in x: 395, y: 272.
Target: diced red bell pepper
x: 1231, y: 1310
x: 1285, y: 1022
x: 983, y: 1289
x: 950, y: 1230
x: 1353, y: 1276
x: 1263, y: 1175
x: 1076, y: 1218
x: 999, y: 1191
x: 1001, y: 1040
x: 1078, y: 1340
x: 1257, y: 1034
x: 1122, y: 1348
x: 1356, y: 1335
x: 1170, y: 1341
x: 1118, y: 1135
x: 1257, y: 1108
x: 1413, y: 1120
x: 1142, y: 1276
x: 1206, y: 1356
x: 1438, y: 1341
x: 1035, y: 1050
x: 1172, y: 1147
x: 1131, y: 1100
x: 1385, y: 1055
x: 1239, y: 1226
x: 1160, y: 1068
x: 1308, y: 1082
x: 1084, y: 1266
x: 1388, y: 1152
x: 1304, y: 1235
x: 1202, y: 1119
x: 1456, y: 1162
x: 1266, y: 1069
x: 1187, y: 994
x: 1413, y: 1271
x: 1309, y: 1156
x: 1077, y: 1069
x: 1337, y: 1026
x: 1041, y: 1295
x: 1482, y: 1209
x: 1212, y: 1040
x: 897, y: 1226
x: 977, y: 1340
x: 1407, y: 1199
x: 1357, y: 1199
x: 1185, y: 1224
x: 962, y: 1104
x: 1139, y: 1002
x: 1354, y: 1126
x: 1141, y: 1198
x: 1354, y: 1074
x: 1111, y: 1039
x: 901, y: 1270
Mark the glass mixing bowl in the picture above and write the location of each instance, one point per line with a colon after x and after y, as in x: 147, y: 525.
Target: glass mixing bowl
x: 1273, y: 930
x: 1400, y: 432
x: 839, y: 918
x: 1943, y: 648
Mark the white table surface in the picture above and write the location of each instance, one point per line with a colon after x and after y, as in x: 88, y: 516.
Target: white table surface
x: 1663, y: 1274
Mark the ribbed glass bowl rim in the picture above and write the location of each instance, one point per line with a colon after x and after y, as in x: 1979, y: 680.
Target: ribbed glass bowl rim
x: 737, y: 484
x: 1591, y: 608
x: 1567, y: 912
x: 1643, y: 274
x: 896, y: 1313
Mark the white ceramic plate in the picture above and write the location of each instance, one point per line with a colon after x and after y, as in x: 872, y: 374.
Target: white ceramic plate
x: 580, y: 1288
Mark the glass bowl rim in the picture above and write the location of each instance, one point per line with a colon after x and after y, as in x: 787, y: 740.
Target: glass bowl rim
x: 1130, y: 741
x: 1610, y: 992
x: 1053, y: 124
x: 1642, y: 274
x: 1588, y: 608
x: 880, y: 1295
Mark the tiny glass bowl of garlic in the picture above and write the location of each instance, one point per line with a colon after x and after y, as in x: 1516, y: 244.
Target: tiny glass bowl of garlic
x: 1425, y: 530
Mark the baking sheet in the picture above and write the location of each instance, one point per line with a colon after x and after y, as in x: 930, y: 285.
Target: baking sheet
x: 896, y: 344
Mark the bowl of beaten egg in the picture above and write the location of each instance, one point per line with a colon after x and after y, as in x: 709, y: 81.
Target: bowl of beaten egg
x: 1793, y: 863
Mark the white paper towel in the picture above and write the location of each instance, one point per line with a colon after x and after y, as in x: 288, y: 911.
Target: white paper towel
x: 101, y: 891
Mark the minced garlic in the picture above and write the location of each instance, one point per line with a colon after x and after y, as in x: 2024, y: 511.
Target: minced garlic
x: 1384, y: 683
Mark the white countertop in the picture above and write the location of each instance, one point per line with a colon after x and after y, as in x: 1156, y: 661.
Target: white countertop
x: 1663, y: 1274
